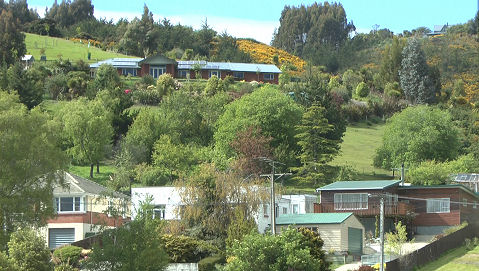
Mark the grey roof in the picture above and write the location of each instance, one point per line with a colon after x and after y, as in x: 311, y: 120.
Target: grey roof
x: 89, y: 186
x: 119, y: 63
x: 440, y: 28
x: 229, y: 66
x: 158, y: 60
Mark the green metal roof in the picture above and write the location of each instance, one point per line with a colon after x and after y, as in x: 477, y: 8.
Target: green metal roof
x: 312, y: 218
x: 358, y: 185
x: 158, y: 60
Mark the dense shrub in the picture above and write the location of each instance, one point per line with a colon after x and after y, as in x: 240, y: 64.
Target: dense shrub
x: 6, y: 264
x: 208, y: 263
x: 342, y: 92
x: 366, y: 268
x: 165, y: 85
x: 362, y: 90
x: 185, y: 249
x: 68, y: 254
x: 214, y: 85
x: 355, y: 111
x: 28, y: 251
x: 65, y: 267
x: 147, y: 96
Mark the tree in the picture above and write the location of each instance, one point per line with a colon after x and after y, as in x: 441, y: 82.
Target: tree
x: 362, y: 90
x: 316, y: 148
x: 88, y: 130
x: 239, y: 227
x: 267, y: 108
x: 395, y: 241
x: 5, y: 263
x: 137, y: 246
x: 30, y: 157
x: 391, y: 61
x: 418, y: 134
x: 414, y: 75
x: 28, y: 251
x: 214, y: 85
x: 289, y: 251
x: 26, y: 83
x: 165, y: 85
x: 12, y: 47
x: 106, y: 77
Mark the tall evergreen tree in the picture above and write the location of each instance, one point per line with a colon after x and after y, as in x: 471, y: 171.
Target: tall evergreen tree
x: 414, y: 74
x: 12, y: 45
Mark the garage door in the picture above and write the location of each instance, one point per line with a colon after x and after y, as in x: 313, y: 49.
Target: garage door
x: 355, y: 241
x: 58, y: 237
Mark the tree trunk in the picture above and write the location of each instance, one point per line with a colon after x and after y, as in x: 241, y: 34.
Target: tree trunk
x: 91, y: 171
x: 98, y: 167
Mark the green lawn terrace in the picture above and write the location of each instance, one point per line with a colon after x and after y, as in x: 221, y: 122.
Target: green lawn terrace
x: 56, y: 48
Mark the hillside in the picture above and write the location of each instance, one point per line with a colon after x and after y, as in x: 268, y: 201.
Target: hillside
x: 56, y: 47
x: 262, y: 53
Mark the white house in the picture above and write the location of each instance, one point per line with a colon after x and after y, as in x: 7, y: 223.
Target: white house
x: 166, y: 199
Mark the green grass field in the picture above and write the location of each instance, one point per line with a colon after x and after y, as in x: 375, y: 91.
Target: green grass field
x: 101, y: 178
x: 458, y: 259
x: 359, y: 147
x: 56, y: 47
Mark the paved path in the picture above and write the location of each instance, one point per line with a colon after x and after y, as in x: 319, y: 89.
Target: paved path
x: 348, y: 267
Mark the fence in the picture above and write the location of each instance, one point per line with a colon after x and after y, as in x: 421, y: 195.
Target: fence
x: 433, y: 250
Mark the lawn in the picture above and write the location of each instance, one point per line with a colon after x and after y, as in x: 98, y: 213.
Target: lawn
x: 101, y: 178
x: 458, y: 259
x: 56, y: 47
x: 359, y: 147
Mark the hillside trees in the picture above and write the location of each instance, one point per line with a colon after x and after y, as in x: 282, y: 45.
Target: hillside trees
x: 88, y: 131
x: 69, y: 13
x: 30, y: 155
x: 415, y: 79
x: 12, y: 47
x: 391, y: 61
x: 267, y: 108
x: 418, y: 134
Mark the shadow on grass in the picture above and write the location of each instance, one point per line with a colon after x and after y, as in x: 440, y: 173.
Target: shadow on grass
x: 445, y: 259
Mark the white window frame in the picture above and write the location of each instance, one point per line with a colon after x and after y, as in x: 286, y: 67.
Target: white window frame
x: 285, y: 210
x: 215, y: 72
x: 295, y: 209
x: 126, y: 71
x: 81, y: 204
x: 351, y: 201
x: 161, y: 210
x: 156, y: 71
x: 438, y: 205
x: 268, y: 76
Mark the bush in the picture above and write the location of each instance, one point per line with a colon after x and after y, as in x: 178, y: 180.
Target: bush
x: 68, y: 254
x: 214, y: 85
x: 229, y: 80
x: 362, y: 90
x: 365, y: 268
x: 342, y: 92
x: 355, y: 112
x: 208, y: 263
x: 148, y: 96
x: 28, y: 251
x: 165, y: 85
x: 65, y: 267
x: 6, y: 264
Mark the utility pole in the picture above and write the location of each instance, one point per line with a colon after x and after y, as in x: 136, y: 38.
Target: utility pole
x: 381, y: 235
x: 272, y: 180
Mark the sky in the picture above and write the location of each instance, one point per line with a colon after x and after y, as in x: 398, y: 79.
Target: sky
x: 258, y: 19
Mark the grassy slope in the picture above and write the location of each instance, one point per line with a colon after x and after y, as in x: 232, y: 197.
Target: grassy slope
x: 67, y: 49
x: 458, y: 259
x: 358, y: 148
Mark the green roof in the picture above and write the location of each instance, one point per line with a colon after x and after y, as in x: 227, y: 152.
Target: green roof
x: 312, y: 218
x: 358, y: 185
x: 158, y: 60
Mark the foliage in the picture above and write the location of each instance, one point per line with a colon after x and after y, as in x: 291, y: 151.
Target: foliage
x: 29, y: 150
x: 366, y: 268
x: 27, y: 83
x: 165, y: 85
x: 13, y: 41
x: 65, y: 267
x: 289, y: 251
x: 88, y: 130
x: 261, y: 53
x: 395, y: 241
x: 267, y: 108
x: 316, y: 148
x: 56, y: 85
x: 106, y: 77
x: 226, y: 49
x: 414, y: 75
x: 391, y: 60
x: 240, y: 226
x: 417, y: 134
x: 209, y: 263
x: 351, y: 79
x: 185, y: 249
x: 210, y: 197
x: 362, y: 90
x: 68, y: 255
x: 432, y: 172
x: 28, y: 251
x: 77, y: 83
x: 214, y: 85
x: 347, y: 173
x: 136, y: 247
x: 392, y: 89
x: 6, y: 264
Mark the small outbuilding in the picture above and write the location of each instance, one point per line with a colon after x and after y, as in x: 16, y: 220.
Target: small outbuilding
x: 341, y: 232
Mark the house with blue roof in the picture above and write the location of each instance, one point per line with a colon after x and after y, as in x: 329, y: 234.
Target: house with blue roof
x: 157, y: 65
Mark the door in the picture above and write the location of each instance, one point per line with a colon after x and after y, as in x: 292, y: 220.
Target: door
x: 58, y: 237
x: 355, y: 241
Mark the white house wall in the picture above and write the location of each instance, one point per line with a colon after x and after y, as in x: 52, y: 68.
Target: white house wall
x: 165, y: 195
x: 305, y: 202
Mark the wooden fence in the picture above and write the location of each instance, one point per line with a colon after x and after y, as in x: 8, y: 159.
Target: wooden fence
x: 433, y: 250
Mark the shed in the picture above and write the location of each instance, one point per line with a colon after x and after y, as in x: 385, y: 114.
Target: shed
x: 339, y: 231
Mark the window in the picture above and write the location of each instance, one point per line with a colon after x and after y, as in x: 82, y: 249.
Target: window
x: 159, y: 211
x: 474, y: 205
x: 265, y: 210
x: 238, y: 75
x: 464, y: 202
x: 215, y: 73
x: 285, y: 210
x: 184, y: 74
x: 438, y: 205
x: 268, y: 76
x: 126, y: 71
x: 156, y: 71
x: 350, y: 201
x: 69, y: 204
x: 276, y: 211
x: 295, y: 208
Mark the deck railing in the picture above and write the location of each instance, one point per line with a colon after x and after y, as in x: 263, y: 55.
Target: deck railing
x: 398, y: 208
